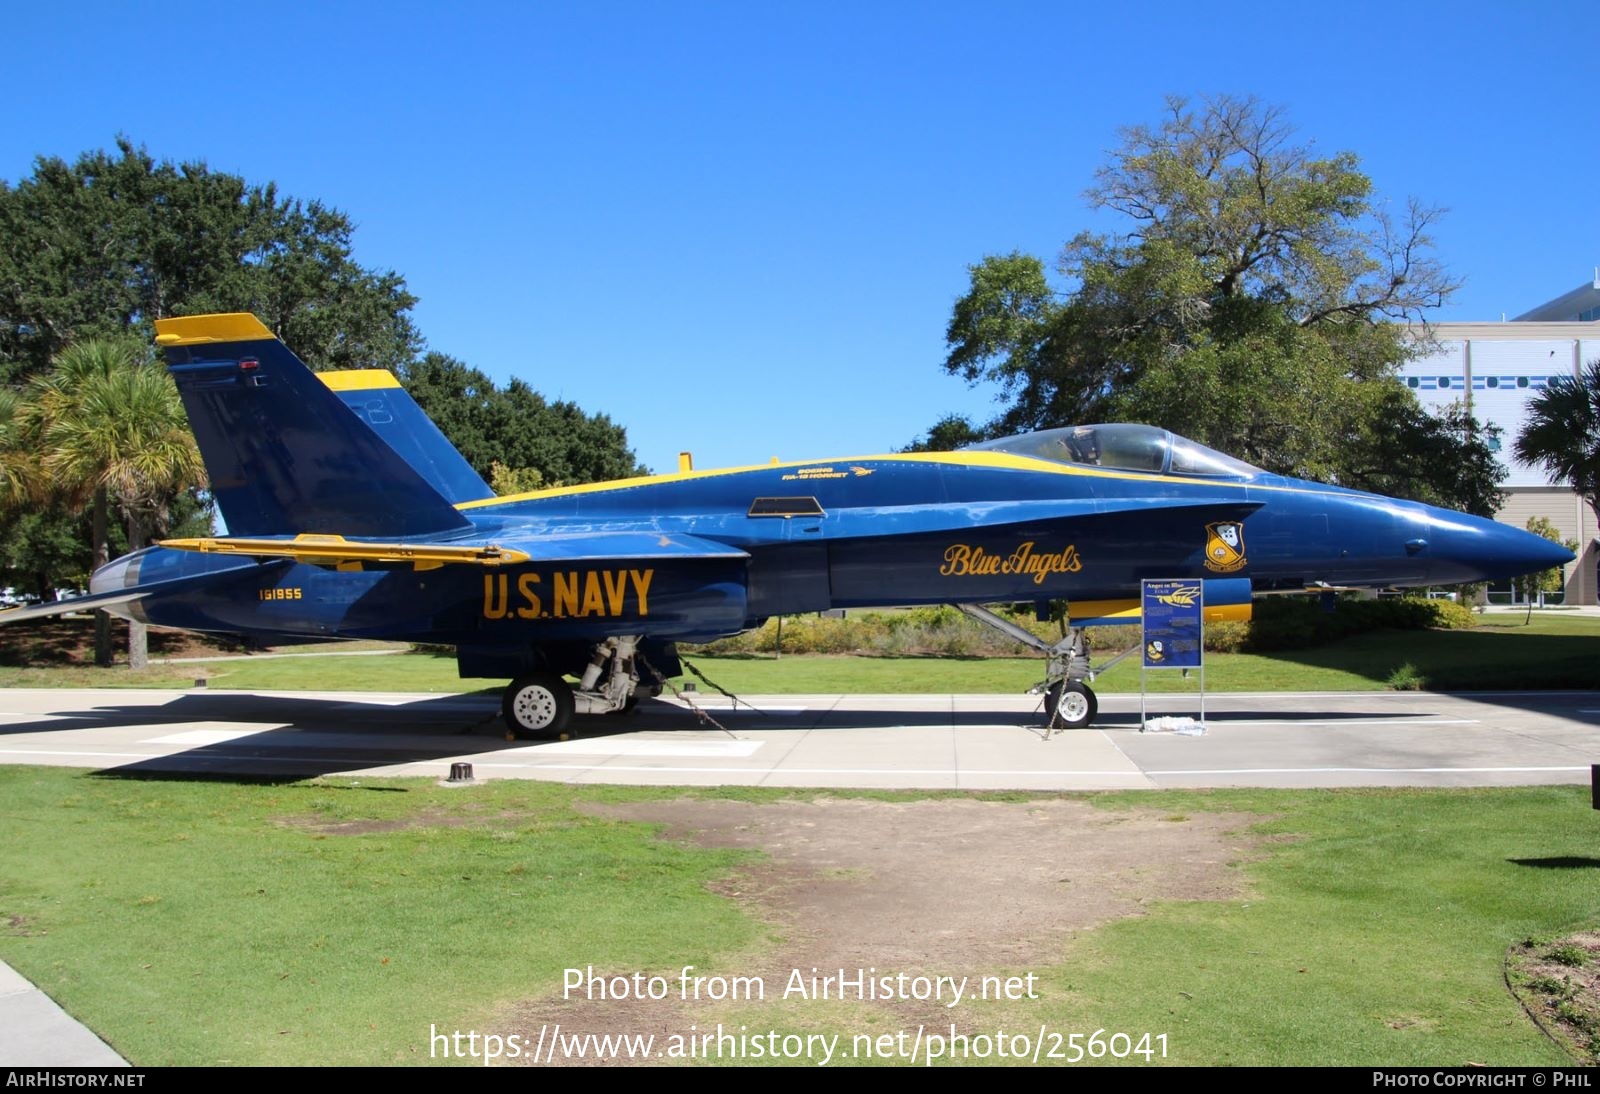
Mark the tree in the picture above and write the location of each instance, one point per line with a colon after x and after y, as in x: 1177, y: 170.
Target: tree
x: 103, y: 246
x: 108, y: 244
x: 948, y: 433
x: 506, y: 481
x: 45, y: 547
x: 1529, y: 586
x: 516, y: 427
x: 1440, y: 458
x: 1255, y: 303
x: 108, y: 429
x: 16, y: 457
x: 1562, y: 433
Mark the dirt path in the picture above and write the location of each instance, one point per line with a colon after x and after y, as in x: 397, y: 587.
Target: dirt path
x: 947, y: 887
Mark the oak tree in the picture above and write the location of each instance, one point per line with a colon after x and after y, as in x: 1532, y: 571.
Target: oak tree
x: 106, y: 245
x: 1255, y: 298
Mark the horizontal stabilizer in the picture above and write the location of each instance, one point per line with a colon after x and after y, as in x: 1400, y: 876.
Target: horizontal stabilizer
x: 115, y: 598
x: 75, y: 604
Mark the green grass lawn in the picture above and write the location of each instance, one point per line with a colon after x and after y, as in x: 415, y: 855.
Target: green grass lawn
x: 1556, y: 650
x: 206, y: 922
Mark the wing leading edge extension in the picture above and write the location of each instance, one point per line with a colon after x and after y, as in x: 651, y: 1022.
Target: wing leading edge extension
x: 341, y: 553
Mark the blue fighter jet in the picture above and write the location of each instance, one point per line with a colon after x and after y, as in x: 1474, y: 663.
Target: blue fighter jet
x: 350, y: 516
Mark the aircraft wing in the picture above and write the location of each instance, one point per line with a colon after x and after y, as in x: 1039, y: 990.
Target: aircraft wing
x: 517, y: 548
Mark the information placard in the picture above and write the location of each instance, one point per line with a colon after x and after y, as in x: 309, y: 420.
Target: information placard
x: 1172, y: 626
x: 1173, y: 615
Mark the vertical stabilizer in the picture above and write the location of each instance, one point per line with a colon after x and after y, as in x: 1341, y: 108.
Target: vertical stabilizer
x: 378, y: 399
x: 285, y: 455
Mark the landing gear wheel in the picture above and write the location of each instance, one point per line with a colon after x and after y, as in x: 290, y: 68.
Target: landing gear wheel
x: 1070, y: 704
x: 537, y: 706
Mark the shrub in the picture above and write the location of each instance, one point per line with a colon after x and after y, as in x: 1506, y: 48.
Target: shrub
x: 1406, y: 678
x: 1226, y: 637
x: 1280, y: 623
x: 1288, y: 623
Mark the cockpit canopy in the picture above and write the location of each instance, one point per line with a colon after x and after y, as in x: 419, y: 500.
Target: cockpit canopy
x: 1124, y: 447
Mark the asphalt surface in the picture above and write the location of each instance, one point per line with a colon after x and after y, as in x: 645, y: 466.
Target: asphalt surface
x: 941, y: 742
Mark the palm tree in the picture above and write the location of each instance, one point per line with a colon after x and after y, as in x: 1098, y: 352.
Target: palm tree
x: 109, y: 428
x: 16, y: 462
x: 1562, y: 433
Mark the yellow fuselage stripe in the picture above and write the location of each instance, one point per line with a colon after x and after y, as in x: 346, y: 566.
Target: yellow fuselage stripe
x: 1131, y: 610
x: 995, y: 460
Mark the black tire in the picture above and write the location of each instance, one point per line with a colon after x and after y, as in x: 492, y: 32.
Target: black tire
x: 1071, y: 704
x: 537, y: 707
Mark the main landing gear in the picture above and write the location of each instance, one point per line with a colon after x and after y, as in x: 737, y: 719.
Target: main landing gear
x: 1070, y: 702
x: 538, y: 706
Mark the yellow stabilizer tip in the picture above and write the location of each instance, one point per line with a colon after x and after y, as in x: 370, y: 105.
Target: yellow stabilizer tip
x: 358, y: 379
x: 190, y: 330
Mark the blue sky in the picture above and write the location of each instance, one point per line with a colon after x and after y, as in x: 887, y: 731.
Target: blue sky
x: 739, y: 228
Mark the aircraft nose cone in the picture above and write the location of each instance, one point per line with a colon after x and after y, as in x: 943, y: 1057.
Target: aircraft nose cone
x: 1463, y: 548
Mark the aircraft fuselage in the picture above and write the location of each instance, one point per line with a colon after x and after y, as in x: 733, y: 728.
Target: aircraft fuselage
x: 897, y: 530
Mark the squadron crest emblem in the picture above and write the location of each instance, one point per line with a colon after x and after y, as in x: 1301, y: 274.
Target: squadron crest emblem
x: 1225, y: 547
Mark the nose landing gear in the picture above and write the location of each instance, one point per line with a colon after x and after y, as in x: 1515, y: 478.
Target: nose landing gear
x: 1070, y: 702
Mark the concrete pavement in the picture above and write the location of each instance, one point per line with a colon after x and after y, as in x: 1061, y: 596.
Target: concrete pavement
x: 906, y: 741
x: 34, y: 1032
x: 964, y: 742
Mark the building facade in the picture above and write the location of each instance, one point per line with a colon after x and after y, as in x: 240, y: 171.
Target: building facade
x: 1495, y: 369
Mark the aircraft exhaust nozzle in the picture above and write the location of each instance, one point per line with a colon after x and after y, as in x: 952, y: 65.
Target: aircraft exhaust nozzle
x: 118, y: 574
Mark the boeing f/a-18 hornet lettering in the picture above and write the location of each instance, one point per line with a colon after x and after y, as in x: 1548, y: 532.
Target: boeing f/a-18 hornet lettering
x: 350, y: 516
